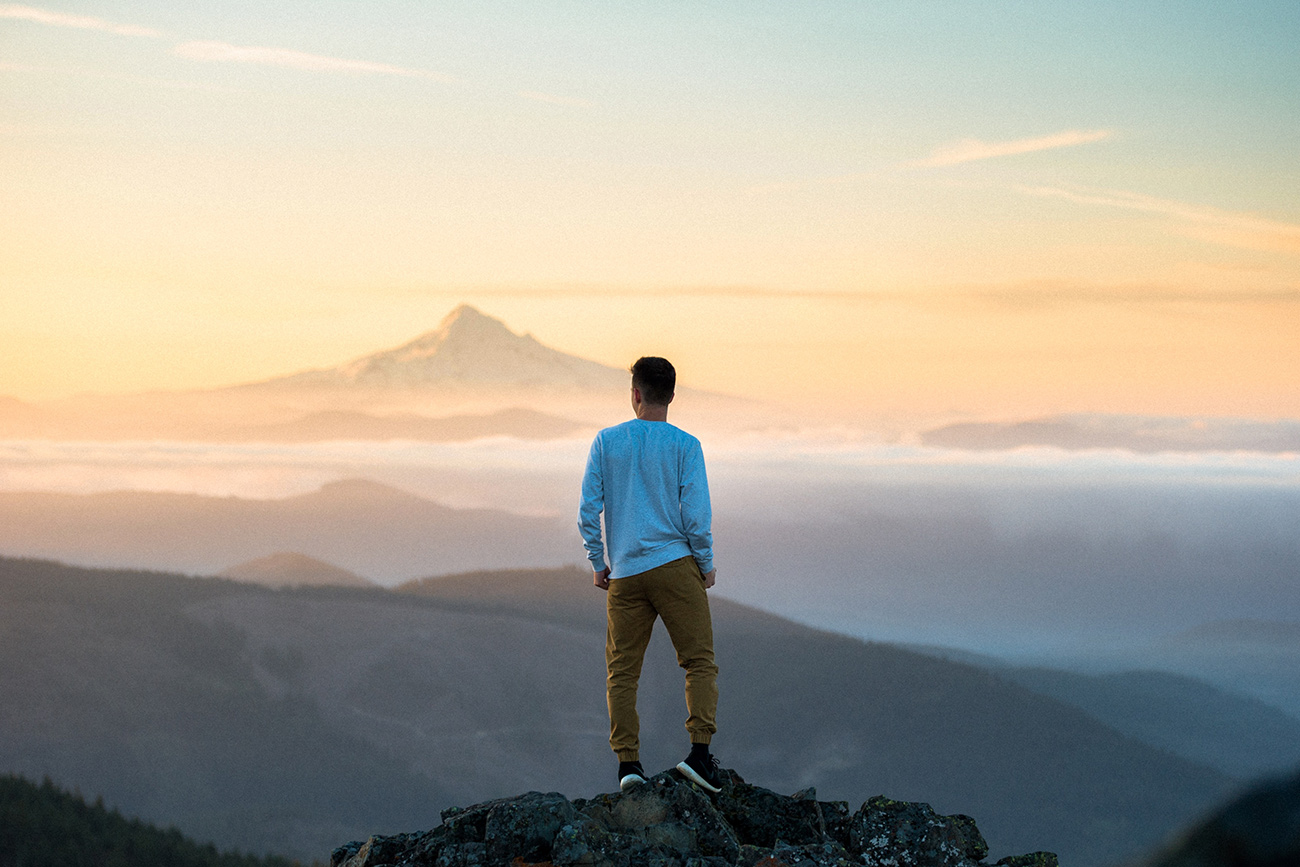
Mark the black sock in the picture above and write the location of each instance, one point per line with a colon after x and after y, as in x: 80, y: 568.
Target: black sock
x: 699, y: 751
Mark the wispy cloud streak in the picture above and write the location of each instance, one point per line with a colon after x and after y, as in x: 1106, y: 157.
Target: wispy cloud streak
x: 971, y: 150
x: 81, y: 22
x: 224, y: 52
x: 1218, y: 226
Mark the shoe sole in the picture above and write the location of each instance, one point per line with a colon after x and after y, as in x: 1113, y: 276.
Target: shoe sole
x: 691, y: 774
x: 629, y: 781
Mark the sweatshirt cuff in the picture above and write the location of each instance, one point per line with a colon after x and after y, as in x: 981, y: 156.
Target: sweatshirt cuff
x: 706, y: 566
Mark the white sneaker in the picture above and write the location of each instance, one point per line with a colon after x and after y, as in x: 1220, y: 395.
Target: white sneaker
x: 630, y: 774
x: 704, y: 774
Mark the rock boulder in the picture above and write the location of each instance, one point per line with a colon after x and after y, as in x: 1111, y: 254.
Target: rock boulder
x: 669, y: 822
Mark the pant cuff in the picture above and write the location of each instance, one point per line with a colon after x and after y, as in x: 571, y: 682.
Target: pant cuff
x: 628, y: 755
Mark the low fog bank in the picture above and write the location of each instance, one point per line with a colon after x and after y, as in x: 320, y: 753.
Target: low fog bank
x: 1030, y: 551
x: 541, y: 476
x: 1136, y: 433
x: 1013, y: 563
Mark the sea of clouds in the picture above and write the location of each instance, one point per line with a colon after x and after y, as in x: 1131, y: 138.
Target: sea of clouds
x: 996, y: 550
x: 542, y: 476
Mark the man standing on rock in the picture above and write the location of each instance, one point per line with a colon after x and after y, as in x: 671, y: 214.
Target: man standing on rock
x: 647, y: 477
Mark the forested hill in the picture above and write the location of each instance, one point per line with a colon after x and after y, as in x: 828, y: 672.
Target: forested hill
x: 46, y: 826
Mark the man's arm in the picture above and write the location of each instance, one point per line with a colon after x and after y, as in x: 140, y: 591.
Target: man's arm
x: 697, y: 513
x: 589, y: 511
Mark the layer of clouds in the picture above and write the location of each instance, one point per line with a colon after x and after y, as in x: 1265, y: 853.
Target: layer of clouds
x: 997, y: 551
x: 494, y: 471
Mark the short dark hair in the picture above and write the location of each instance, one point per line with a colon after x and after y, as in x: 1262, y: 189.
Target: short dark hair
x: 656, y: 378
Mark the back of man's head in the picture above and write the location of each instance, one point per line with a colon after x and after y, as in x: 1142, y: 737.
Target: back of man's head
x: 656, y: 378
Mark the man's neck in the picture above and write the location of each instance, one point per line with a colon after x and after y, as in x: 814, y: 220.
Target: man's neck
x: 652, y: 412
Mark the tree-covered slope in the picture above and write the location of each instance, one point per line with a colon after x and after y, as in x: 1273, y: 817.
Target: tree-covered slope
x: 44, y: 826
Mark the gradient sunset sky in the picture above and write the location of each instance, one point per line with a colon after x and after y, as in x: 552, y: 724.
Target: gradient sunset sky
x: 965, y: 209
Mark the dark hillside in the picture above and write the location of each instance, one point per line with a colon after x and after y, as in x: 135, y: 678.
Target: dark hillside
x: 46, y: 826
x: 291, y: 720
x: 127, y: 695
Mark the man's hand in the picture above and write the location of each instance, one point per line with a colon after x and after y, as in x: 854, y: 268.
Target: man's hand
x: 710, y: 578
x: 601, y: 579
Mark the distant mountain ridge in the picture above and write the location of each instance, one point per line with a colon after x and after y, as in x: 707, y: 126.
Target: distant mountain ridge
x: 356, y: 524
x: 290, y: 569
x: 1241, y: 736
x: 1240, y: 632
x: 1231, y: 652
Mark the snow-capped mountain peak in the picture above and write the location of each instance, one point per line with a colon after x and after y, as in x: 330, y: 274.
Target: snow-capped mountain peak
x: 468, y: 348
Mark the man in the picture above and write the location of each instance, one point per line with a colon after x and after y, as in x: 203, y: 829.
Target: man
x: 647, y: 477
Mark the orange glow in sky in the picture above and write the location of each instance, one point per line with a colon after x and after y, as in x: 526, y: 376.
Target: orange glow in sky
x: 799, y: 202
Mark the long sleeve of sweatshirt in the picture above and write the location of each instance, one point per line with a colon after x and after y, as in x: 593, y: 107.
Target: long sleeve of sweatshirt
x: 648, y: 482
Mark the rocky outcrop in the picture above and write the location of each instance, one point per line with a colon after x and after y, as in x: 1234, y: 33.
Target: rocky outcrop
x: 669, y: 822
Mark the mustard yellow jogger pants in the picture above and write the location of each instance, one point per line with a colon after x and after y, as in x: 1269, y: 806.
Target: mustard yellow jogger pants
x: 675, y: 592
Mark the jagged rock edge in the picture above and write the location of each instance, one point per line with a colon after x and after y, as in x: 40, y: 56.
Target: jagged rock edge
x: 669, y: 821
